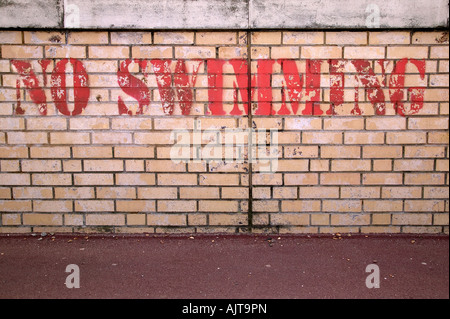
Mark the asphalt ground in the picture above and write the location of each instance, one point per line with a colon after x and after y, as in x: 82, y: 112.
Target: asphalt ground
x: 223, y: 266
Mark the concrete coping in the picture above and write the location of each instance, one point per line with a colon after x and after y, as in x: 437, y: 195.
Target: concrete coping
x: 224, y: 14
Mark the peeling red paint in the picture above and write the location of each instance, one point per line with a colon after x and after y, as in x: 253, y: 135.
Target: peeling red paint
x: 80, y: 84
x: 397, y: 84
x: 31, y: 82
x: 178, y: 86
x: 133, y: 87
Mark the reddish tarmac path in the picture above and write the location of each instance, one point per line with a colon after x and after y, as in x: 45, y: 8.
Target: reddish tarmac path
x: 223, y: 267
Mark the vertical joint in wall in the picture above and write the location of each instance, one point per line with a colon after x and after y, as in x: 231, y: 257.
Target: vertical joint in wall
x: 250, y: 138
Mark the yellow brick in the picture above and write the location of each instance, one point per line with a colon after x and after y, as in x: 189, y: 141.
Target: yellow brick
x: 436, y: 192
x: 428, y: 123
x: 286, y: 219
x: 340, y: 179
x: 109, y: 52
x: 299, y: 179
x: 13, y: 152
x: 103, y: 165
x: 69, y: 138
x: 321, y: 52
x: 424, y: 206
x: 157, y: 192
x: 228, y: 220
x: 303, y: 124
x: 382, y: 152
x: 22, y: 52
x: 302, y: 38
x: 285, y: 52
x: 50, y: 152
x: 319, y: 192
x: 350, y: 219
x: 381, y: 219
x: 412, y: 219
x: 195, y: 52
x: 92, y: 152
x: 383, y: 206
x: 350, y: 165
x: 382, y: 179
x: 364, y: 52
x: 412, y: 52
x: 116, y: 192
x: 72, y: 166
x: 376, y: 124
x: 11, y: 37
x: 341, y: 37
x: 131, y: 38
x: 219, y: 179
x: 173, y: 123
x: 136, y: 206
x: 10, y: 166
x: 218, y: 206
x: 342, y: 124
x: 11, y: 219
x: 424, y: 179
x: 207, y: 38
x: 319, y: 165
x: 151, y: 52
x: 12, y: 124
x: 406, y: 138
x: 5, y: 193
x: 88, y: 38
x: 174, y: 37
x: 181, y: 206
x: 42, y: 219
x: 111, y: 138
x: 129, y: 179
x: 389, y: 37
x: 136, y: 219
x: 166, y: 220
x: 41, y: 166
x: 364, y: 138
x: 266, y: 38
x: 52, y: 206
x: 14, y: 206
x: 94, y: 205
x: 298, y: 206
x: 63, y: 52
x: 89, y: 123
x: 360, y: 192
x: 27, y: 138
x: 402, y: 192
x: 94, y: 179
x: 74, y: 192
x: 439, y: 52
x: 14, y: 179
x: 105, y: 219
x: 342, y: 206
x: 382, y: 165
x: 199, y: 193
x: 134, y: 152
x: 413, y: 165
x: 321, y: 138
x: 320, y: 219
x: 164, y: 166
x: 197, y: 220
x: 177, y: 179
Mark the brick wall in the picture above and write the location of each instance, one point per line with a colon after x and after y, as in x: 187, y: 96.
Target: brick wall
x: 150, y: 132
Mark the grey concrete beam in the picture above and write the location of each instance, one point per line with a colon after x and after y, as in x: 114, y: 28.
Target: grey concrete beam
x: 223, y: 14
x: 31, y: 14
x: 348, y: 14
x: 159, y: 14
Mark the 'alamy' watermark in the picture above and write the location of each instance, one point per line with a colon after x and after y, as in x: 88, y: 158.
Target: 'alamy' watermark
x: 73, y: 280
x: 373, y: 17
x: 226, y: 145
x: 373, y: 280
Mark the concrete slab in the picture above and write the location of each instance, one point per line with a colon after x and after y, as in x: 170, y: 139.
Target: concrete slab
x: 31, y: 14
x: 348, y: 14
x: 161, y: 14
x: 224, y: 267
